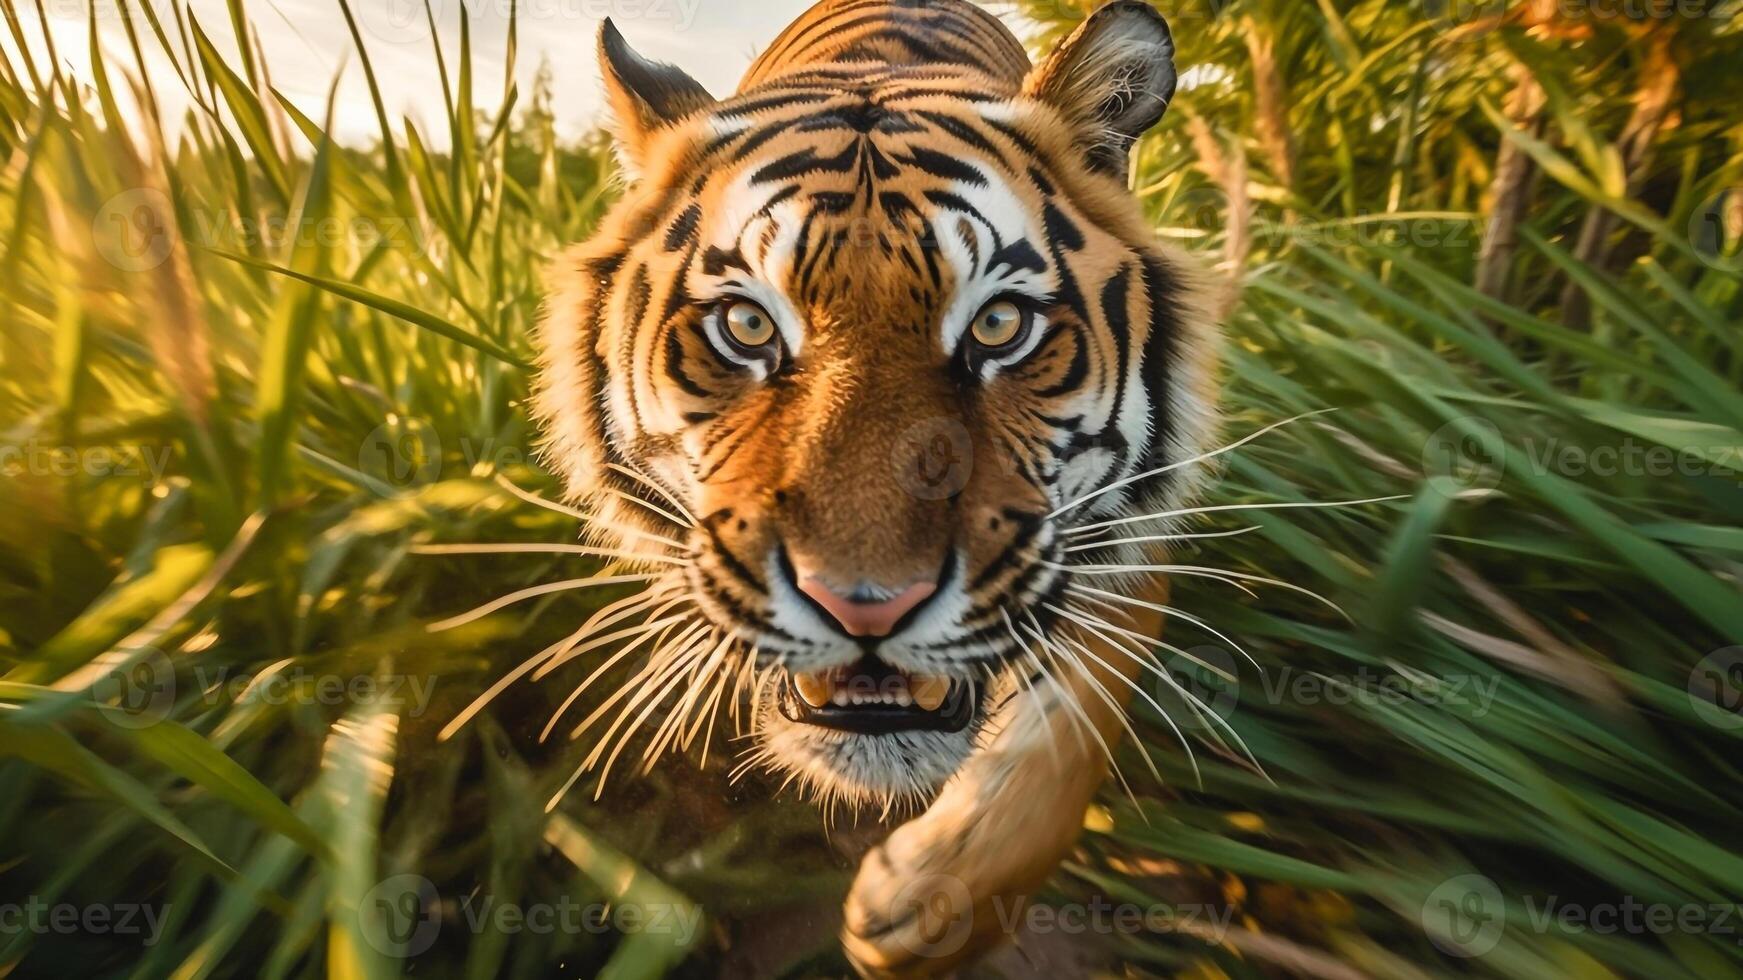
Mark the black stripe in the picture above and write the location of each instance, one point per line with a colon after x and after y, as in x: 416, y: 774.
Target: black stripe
x: 1074, y: 373
x: 1162, y: 285
x: 944, y: 166
x: 683, y: 230
x: 807, y: 161
x: 675, y: 366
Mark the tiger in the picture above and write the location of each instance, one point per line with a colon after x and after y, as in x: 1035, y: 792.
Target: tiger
x: 871, y: 362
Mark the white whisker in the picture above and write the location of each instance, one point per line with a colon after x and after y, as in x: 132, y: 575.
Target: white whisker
x: 1191, y: 757
x: 683, y: 664
x: 1204, y: 712
x: 538, y: 501
x: 502, y: 684
x: 1200, y: 571
x: 1023, y: 678
x: 1062, y: 653
x: 641, y: 635
x: 1114, y: 542
x: 644, y: 684
x: 653, y: 507
x: 1107, y: 696
x: 1219, y: 508
x: 654, y: 485
x: 542, y: 549
x: 653, y: 621
x: 1166, y: 610
x: 1078, y: 615
x: 548, y: 588
x: 1117, y: 484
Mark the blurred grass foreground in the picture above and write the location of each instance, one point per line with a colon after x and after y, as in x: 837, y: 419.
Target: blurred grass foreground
x: 253, y: 381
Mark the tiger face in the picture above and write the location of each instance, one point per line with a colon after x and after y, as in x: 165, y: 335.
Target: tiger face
x: 854, y: 353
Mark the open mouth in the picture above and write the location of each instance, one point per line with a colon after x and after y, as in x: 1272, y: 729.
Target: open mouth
x: 870, y: 697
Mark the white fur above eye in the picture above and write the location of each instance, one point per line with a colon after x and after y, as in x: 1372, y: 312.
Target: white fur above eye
x: 1001, y: 218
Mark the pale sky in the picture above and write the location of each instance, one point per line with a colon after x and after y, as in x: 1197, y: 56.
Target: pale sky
x: 305, y: 42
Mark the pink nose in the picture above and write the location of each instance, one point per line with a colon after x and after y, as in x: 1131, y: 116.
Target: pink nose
x: 866, y: 618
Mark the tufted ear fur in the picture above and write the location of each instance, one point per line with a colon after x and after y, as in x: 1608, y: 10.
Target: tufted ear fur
x: 1112, y: 78
x: 646, y: 96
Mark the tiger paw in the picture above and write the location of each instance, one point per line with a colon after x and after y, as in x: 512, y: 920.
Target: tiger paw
x: 909, y: 913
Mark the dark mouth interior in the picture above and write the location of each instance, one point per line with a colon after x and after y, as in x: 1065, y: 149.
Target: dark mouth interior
x: 869, y: 697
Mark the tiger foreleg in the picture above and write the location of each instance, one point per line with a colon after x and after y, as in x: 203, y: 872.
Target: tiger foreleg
x: 953, y: 882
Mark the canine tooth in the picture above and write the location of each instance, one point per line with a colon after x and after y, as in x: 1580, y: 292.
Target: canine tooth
x: 814, y: 689
x: 929, y: 692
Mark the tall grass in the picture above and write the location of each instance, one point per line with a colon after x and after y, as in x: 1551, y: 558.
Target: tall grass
x: 219, y: 696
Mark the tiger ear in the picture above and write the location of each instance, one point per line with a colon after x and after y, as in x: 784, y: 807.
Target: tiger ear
x: 1112, y: 78
x: 645, y: 95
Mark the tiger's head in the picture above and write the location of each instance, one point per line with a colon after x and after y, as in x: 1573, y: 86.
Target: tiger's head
x: 854, y: 353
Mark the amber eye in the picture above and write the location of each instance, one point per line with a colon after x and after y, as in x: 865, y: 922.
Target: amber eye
x: 749, y: 325
x: 998, y: 324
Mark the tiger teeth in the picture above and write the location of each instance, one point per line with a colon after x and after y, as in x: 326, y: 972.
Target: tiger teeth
x: 834, y: 688
x: 815, y: 689
x: 929, y: 692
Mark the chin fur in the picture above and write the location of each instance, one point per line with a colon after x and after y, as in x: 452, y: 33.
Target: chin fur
x: 889, y: 773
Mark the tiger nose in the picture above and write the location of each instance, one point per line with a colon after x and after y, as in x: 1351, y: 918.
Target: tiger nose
x: 865, y: 611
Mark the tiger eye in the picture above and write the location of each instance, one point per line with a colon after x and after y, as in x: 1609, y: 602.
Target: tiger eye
x: 749, y: 325
x: 997, y: 324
